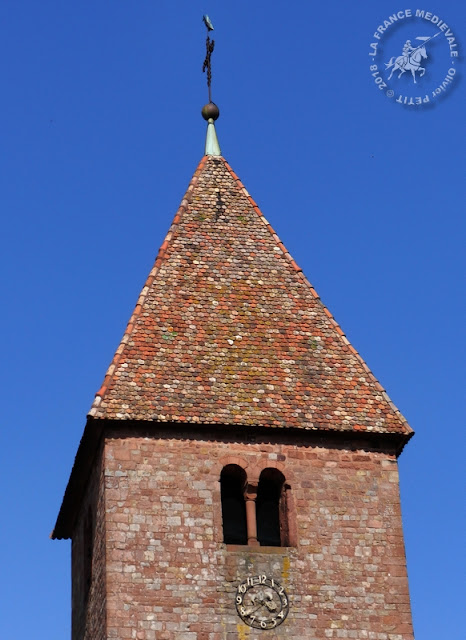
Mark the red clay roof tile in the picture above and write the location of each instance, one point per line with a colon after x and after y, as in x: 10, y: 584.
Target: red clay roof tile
x: 227, y: 329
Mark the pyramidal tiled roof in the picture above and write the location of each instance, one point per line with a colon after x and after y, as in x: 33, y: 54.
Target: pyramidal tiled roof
x: 227, y: 330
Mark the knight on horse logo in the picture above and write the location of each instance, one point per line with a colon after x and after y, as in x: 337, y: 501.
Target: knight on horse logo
x: 392, y: 35
x: 410, y: 59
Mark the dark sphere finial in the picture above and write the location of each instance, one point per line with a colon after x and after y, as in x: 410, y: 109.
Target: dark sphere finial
x: 210, y: 110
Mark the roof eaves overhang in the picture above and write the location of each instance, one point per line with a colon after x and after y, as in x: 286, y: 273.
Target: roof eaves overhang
x: 74, y: 493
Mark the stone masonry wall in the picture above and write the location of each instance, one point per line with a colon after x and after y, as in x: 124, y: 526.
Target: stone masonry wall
x: 169, y: 575
x: 89, y: 603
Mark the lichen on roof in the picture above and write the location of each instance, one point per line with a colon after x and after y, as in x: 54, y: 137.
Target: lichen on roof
x: 227, y: 330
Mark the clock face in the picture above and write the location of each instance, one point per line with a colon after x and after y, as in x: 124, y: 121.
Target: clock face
x: 261, y: 602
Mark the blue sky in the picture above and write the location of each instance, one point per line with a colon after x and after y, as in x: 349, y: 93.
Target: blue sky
x: 100, y: 134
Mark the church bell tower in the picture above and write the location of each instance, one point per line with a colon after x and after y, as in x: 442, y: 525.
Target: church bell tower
x: 237, y: 477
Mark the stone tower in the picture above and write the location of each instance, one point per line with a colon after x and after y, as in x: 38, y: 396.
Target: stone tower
x: 237, y: 477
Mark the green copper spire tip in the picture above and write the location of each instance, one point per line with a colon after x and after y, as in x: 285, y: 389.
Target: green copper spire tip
x: 211, y: 112
x: 212, y: 148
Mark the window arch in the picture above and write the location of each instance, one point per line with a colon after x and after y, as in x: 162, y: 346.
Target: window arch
x: 269, y: 494
x: 255, y: 512
x: 232, y: 483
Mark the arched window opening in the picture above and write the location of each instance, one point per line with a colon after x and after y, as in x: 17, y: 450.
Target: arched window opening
x: 271, y: 510
x: 232, y: 483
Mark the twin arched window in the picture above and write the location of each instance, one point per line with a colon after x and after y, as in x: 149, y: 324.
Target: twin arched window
x: 254, y: 513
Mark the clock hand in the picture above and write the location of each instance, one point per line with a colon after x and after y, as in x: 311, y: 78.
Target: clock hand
x: 253, y: 610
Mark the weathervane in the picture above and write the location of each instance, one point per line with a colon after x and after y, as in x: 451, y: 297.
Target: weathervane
x: 210, y: 111
x: 209, y: 45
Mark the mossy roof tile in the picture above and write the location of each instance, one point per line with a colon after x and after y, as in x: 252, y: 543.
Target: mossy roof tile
x: 228, y: 330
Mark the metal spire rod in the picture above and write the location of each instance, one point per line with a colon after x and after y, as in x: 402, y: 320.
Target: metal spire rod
x: 210, y: 44
x: 210, y: 111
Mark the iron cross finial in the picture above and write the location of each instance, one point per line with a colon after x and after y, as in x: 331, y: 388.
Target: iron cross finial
x: 210, y: 44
